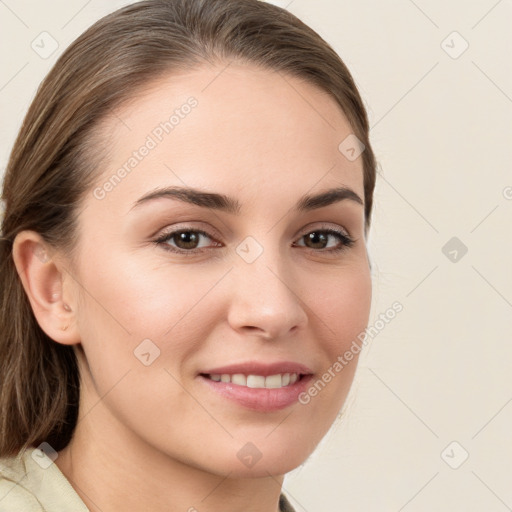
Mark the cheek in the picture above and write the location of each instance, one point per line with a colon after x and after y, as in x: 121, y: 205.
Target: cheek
x: 139, y: 325
x: 141, y: 297
x: 132, y: 307
x: 341, y: 311
x: 342, y: 303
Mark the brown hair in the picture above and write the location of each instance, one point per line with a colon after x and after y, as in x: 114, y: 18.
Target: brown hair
x: 52, y: 165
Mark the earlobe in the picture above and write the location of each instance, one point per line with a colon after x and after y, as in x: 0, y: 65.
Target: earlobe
x: 43, y: 279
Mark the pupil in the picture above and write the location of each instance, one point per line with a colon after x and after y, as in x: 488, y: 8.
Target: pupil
x: 185, y: 237
x: 315, y: 236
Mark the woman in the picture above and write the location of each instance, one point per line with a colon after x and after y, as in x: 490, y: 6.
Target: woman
x: 183, y: 262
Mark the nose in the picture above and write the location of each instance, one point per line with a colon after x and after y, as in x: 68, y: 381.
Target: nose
x: 264, y: 301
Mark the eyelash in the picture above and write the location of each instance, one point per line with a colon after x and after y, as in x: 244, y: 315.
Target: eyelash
x: 161, y: 241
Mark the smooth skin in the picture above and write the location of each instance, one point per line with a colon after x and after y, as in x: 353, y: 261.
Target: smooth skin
x: 156, y: 437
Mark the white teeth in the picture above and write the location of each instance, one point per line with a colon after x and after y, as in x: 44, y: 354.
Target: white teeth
x: 257, y: 381
x: 239, y: 379
x: 273, y: 381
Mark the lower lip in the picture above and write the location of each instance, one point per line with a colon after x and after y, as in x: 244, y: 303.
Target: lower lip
x: 260, y: 399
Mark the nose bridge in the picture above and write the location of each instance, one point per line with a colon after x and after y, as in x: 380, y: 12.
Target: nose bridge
x: 263, y: 296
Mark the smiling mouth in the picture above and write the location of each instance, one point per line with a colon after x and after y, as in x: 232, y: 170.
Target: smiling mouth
x: 279, y: 380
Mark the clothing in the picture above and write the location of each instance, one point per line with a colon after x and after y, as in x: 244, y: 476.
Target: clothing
x: 284, y: 504
x: 31, y: 482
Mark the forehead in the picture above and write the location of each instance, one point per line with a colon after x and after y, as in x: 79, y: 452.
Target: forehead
x: 234, y: 128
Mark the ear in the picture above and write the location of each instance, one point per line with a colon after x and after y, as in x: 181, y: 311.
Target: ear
x: 44, y: 282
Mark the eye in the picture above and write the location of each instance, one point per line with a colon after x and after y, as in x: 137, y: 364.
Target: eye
x: 187, y: 241
x: 319, y: 240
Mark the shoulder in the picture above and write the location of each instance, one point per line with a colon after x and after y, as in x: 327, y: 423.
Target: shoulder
x: 14, y: 494
x: 30, y: 481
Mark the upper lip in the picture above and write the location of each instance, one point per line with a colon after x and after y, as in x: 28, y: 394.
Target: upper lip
x: 258, y: 368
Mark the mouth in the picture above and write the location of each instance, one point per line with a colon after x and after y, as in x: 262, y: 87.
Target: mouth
x: 276, y: 381
x: 259, y: 387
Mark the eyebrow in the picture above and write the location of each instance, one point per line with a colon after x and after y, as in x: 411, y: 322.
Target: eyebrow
x: 231, y: 205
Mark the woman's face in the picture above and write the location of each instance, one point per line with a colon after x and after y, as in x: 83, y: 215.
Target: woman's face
x: 255, y: 281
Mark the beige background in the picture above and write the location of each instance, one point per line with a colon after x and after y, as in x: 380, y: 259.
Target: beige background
x: 441, y: 128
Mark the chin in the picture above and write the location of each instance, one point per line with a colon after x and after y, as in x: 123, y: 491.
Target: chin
x: 279, y: 465
x: 259, y: 460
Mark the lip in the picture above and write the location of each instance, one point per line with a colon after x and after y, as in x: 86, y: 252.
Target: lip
x: 264, y: 369
x: 260, y: 399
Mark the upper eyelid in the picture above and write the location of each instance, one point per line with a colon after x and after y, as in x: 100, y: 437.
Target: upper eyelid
x: 326, y: 226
